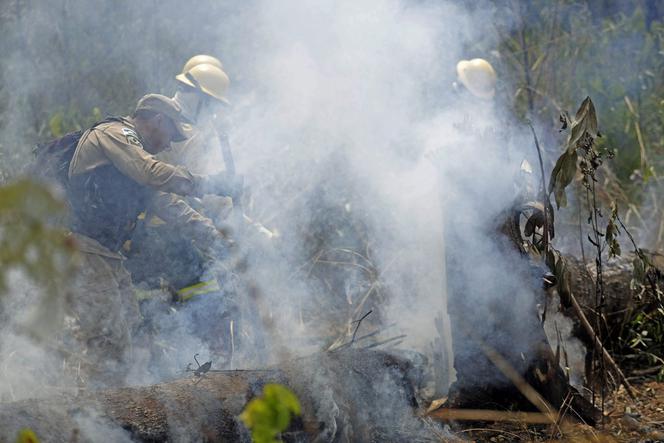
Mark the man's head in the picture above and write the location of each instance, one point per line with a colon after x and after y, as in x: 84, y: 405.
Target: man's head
x: 159, y: 122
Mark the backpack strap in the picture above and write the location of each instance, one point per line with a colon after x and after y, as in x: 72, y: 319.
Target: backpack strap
x: 53, y: 157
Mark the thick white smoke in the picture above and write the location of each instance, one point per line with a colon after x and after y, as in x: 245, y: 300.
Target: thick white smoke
x: 362, y: 95
x: 352, y: 103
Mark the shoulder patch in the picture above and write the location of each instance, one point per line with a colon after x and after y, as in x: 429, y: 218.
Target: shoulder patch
x: 131, y: 136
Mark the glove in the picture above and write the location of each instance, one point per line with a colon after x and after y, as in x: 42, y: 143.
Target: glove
x: 217, y: 208
x: 219, y: 248
x: 222, y: 184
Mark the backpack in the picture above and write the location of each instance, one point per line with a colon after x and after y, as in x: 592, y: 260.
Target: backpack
x: 52, y: 158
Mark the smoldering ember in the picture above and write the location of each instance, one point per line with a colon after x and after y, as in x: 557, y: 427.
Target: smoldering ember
x: 331, y: 221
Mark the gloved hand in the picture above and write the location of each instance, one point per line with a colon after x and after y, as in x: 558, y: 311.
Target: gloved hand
x: 222, y: 184
x: 218, y: 248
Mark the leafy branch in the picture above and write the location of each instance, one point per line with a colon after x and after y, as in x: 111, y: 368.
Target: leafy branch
x: 30, y: 243
x: 583, y: 132
x: 582, y: 155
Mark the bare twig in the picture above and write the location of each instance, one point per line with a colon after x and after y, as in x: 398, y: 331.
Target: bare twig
x: 639, y: 136
x: 545, y: 196
x: 526, y: 60
x: 358, y: 339
x: 397, y: 339
x: 352, y: 340
x: 605, y: 355
x: 648, y: 371
x: 355, y: 253
x: 578, y: 213
x: 374, y: 285
x: 532, y: 418
x: 515, y: 437
x: 517, y: 379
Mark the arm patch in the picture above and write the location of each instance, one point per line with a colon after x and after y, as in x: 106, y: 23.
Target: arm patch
x: 131, y: 136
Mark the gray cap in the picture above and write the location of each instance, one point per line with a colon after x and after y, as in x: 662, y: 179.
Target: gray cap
x: 167, y: 106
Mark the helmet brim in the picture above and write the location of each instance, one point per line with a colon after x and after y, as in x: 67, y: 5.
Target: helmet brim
x: 182, y: 78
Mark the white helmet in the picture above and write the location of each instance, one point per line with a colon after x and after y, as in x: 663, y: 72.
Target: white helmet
x: 478, y: 76
x: 202, y: 59
x: 209, y: 79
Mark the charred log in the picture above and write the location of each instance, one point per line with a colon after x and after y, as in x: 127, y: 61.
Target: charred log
x: 350, y: 395
x: 543, y: 374
x: 481, y: 385
x: 501, y: 327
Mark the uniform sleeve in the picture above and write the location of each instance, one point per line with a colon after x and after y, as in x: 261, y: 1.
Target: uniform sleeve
x: 127, y: 154
x: 174, y: 210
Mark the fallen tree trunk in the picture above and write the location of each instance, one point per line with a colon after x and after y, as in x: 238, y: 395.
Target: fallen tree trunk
x: 622, y: 299
x: 178, y: 410
x: 350, y: 395
x: 624, y: 296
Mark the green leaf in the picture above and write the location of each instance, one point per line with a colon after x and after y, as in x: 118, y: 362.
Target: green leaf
x: 29, y: 241
x: 562, y: 175
x: 584, y: 126
x: 612, y: 233
x: 283, y: 396
x: 558, y: 266
x: 26, y: 436
x: 271, y: 414
x: 614, y: 248
x: 587, y: 116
